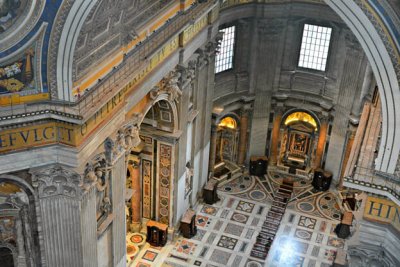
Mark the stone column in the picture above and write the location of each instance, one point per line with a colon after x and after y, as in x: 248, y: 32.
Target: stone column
x: 323, y: 129
x: 134, y: 170
x: 118, y: 184
x: 67, y: 210
x: 213, y: 143
x: 275, y: 135
x: 243, y: 136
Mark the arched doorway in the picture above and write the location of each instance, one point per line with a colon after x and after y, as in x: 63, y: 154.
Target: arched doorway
x: 298, y: 140
x: 150, y: 165
x: 227, y: 139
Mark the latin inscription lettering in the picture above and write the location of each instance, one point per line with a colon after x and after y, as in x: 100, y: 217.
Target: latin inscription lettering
x: 25, y: 137
x: 47, y: 131
x: 2, y: 141
x: 371, y: 208
x: 12, y: 139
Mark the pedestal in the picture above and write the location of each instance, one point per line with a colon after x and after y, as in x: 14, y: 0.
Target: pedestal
x: 157, y: 233
x: 258, y: 165
x: 210, y: 194
x: 188, y: 224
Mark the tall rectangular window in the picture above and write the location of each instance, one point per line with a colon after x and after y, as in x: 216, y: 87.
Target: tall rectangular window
x: 315, y: 47
x: 224, y: 59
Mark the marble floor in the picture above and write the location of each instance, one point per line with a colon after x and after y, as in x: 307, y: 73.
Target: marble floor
x: 227, y: 230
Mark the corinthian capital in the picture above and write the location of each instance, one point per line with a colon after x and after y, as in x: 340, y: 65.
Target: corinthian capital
x: 57, y: 180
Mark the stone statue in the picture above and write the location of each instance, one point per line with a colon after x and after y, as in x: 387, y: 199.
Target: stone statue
x: 109, y: 147
x: 121, y: 144
x: 172, y: 86
x: 90, y: 175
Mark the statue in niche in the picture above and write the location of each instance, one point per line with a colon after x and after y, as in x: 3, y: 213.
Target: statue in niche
x: 98, y: 172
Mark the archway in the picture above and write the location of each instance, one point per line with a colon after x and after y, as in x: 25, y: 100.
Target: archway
x: 149, y: 163
x: 227, y: 139
x: 299, y: 137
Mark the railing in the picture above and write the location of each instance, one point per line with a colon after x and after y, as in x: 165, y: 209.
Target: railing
x: 229, y: 3
x: 375, y: 180
x: 108, y: 86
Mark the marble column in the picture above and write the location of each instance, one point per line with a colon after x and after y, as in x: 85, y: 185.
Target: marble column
x: 275, y: 135
x: 134, y: 170
x: 323, y: 129
x: 244, y: 122
x: 213, y: 143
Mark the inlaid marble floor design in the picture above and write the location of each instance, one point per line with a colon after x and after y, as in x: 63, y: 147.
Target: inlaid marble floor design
x: 228, y: 229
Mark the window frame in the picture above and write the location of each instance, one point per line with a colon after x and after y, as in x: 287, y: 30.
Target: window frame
x: 224, y: 26
x: 330, y: 47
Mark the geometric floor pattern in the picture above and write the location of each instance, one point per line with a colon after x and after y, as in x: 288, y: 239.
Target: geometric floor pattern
x: 227, y: 231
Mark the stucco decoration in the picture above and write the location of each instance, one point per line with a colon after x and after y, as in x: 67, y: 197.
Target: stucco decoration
x: 17, y: 19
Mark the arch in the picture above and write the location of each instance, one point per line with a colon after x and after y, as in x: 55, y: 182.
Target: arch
x: 19, y: 181
x: 160, y: 97
x: 294, y: 110
x: 69, y: 36
x: 232, y: 115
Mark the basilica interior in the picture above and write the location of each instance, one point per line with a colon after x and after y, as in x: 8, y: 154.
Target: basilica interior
x: 199, y: 133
